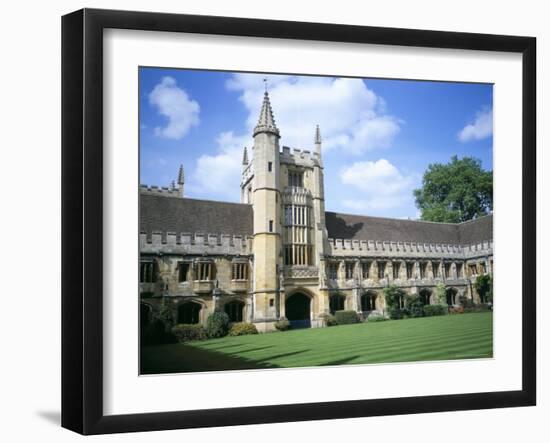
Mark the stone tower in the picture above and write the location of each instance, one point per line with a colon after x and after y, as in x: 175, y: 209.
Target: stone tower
x: 267, y: 227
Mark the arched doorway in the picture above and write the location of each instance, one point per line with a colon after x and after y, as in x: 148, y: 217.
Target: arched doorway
x: 298, y: 310
x: 368, y: 301
x: 189, y: 313
x: 425, y: 295
x: 451, y: 294
x: 234, y: 310
x: 337, y: 302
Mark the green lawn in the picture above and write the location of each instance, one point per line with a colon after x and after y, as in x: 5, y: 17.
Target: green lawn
x: 429, y: 338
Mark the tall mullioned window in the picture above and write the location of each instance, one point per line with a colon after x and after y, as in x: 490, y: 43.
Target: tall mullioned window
x: 239, y: 271
x: 410, y: 269
x: 297, y: 235
x: 183, y: 271
x: 147, y: 272
x: 205, y: 271
x: 423, y: 269
x: 436, y: 269
x: 381, y: 269
x: 396, y: 266
x: 366, y: 269
x: 349, y: 270
x: 333, y: 271
x: 296, y: 179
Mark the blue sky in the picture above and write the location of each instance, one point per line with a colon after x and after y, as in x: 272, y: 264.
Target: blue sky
x: 379, y: 135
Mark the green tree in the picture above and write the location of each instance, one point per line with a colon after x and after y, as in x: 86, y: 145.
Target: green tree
x: 455, y: 192
x: 484, y: 287
x: 395, y: 299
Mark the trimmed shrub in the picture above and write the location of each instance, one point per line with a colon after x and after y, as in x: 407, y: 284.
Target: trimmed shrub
x: 184, y: 332
x: 217, y: 324
x: 243, y: 329
x: 396, y: 313
x: 433, y: 310
x: 415, y: 306
x: 328, y: 319
x: 346, y: 317
x: 282, y: 325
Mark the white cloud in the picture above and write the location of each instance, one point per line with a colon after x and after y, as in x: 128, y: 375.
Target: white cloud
x: 380, y: 184
x: 351, y: 116
x: 174, y: 103
x: 218, y: 175
x: 481, y: 128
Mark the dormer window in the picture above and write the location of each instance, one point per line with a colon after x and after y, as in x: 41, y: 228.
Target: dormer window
x: 296, y: 179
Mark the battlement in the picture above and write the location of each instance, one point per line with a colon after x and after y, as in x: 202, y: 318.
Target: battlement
x: 155, y: 190
x: 299, y: 156
x: 372, y: 248
x: 194, y: 243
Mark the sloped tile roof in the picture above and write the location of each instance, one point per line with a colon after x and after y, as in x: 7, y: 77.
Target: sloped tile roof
x: 165, y: 214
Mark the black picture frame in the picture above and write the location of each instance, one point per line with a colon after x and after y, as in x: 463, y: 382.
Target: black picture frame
x: 82, y: 215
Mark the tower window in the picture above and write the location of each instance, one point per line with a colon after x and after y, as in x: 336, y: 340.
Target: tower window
x: 270, y: 225
x: 296, y: 179
x: 269, y: 166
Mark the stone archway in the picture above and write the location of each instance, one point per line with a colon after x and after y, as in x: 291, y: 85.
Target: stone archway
x: 451, y: 295
x: 368, y: 301
x: 189, y: 312
x: 425, y: 296
x: 234, y: 310
x: 337, y: 302
x: 298, y: 310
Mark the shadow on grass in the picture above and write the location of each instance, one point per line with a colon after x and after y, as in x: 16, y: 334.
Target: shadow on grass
x: 341, y: 361
x: 167, y: 359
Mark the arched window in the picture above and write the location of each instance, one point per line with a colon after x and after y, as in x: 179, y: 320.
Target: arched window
x: 336, y: 303
x: 425, y: 295
x: 234, y: 310
x: 368, y: 301
x: 189, y: 313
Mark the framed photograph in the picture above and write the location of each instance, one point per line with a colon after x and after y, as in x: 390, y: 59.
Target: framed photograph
x: 269, y: 221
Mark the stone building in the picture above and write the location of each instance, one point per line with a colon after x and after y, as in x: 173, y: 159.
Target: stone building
x: 279, y: 254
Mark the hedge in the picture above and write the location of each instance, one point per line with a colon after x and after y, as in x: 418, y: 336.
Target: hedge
x: 185, y: 332
x: 433, y: 310
x: 346, y: 317
x: 243, y: 329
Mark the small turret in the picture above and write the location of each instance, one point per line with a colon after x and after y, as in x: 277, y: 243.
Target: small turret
x: 245, y: 157
x: 181, y: 181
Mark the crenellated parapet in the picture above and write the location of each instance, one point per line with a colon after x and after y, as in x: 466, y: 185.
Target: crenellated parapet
x: 299, y: 157
x: 400, y: 250
x: 165, y: 191
x: 194, y: 243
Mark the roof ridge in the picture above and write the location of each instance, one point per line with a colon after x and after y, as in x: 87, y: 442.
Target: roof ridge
x: 198, y: 199
x: 398, y: 219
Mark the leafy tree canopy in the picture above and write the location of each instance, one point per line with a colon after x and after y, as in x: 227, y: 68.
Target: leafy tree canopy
x: 455, y: 192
